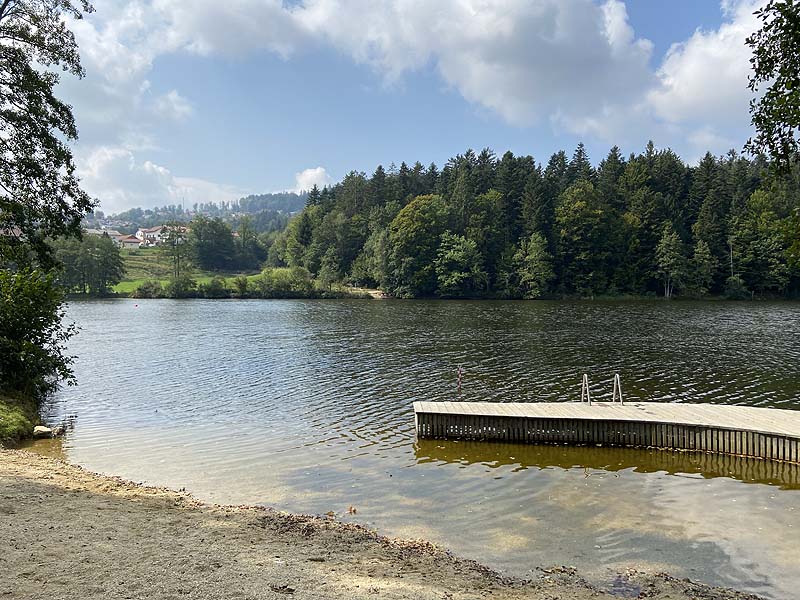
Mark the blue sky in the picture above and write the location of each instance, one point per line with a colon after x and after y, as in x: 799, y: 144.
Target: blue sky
x: 205, y: 102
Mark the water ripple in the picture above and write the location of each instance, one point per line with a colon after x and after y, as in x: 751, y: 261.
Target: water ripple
x: 307, y: 406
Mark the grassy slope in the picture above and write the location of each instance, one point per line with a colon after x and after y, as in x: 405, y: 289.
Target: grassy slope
x: 17, y: 418
x: 149, y: 264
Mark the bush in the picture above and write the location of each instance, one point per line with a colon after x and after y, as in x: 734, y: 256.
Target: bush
x: 735, y: 289
x: 295, y: 282
x: 214, y: 289
x: 149, y: 289
x: 32, y: 334
x: 17, y: 418
x: 181, y: 287
x: 241, y: 286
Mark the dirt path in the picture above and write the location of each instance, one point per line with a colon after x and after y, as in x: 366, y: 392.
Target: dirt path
x: 66, y: 533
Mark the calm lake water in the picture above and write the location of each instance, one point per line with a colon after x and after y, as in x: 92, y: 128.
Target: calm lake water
x: 306, y: 406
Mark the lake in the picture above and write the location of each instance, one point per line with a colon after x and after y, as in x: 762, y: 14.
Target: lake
x: 305, y: 406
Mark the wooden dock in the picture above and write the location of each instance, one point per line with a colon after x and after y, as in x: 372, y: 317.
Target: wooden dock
x: 768, y: 433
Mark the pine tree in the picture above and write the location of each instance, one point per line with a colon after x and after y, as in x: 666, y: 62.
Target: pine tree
x: 705, y: 177
x: 485, y: 171
x: 579, y: 168
x: 608, y: 175
x: 378, y: 189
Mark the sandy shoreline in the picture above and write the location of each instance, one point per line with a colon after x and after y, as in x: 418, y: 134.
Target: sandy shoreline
x: 69, y: 533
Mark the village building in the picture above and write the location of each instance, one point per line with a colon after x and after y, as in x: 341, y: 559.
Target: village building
x: 152, y: 236
x: 129, y: 242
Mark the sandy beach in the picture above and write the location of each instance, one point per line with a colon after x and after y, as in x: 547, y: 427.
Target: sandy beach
x: 68, y: 533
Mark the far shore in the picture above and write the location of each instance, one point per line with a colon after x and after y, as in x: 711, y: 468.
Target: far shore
x: 68, y: 533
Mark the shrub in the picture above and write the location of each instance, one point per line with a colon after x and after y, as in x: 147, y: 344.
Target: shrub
x: 181, y: 287
x: 241, y: 286
x: 214, y: 289
x: 149, y: 289
x: 32, y: 334
x: 735, y: 289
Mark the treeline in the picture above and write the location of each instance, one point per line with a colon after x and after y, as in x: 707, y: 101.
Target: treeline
x: 513, y: 228
x: 287, y: 202
x: 294, y: 282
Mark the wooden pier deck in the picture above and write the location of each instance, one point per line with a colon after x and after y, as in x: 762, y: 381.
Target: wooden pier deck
x: 738, y: 430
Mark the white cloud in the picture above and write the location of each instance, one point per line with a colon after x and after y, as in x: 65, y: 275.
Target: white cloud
x: 232, y: 28
x: 119, y: 181
x: 173, y: 106
x: 576, y: 65
x: 308, y: 178
x: 523, y: 60
x: 704, y: 79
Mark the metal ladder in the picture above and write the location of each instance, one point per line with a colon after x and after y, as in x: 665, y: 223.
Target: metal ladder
x: 616, y: 393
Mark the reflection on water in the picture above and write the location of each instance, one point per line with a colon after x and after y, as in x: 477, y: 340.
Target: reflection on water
x: 651, y: 460
x: 306, y: 406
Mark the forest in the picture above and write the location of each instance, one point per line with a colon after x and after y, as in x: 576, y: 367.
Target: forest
x: 510, y: 227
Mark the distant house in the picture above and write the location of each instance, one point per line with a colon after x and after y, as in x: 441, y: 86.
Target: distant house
x: 130, y: 242
x: 152, y: 236
x: 155, y: 236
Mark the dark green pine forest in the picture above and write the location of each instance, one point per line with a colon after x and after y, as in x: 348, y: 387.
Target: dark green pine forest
x: 510, y: 227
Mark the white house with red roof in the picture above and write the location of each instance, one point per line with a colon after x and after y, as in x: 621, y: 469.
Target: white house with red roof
x: 129, y: 242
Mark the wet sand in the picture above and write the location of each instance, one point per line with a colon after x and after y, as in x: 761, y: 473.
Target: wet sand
x: 68, y: 533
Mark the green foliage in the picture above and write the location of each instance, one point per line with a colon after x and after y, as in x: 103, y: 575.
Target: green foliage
x: 39, y: 192
x: 293, y: 282
x: 89, y: 266
x: 211, y: 244
x: 776, y: 64
x: 176, y: 249
x: 459, y: 271
x: 598, y: 230
x: 17, y: 418
x: 181, y: 287
x: 735, y: 288
x: 485, y: 229
x: 581, y: 239
x: 533, y: 267
x: 149, y: 289
x: 671, y: 260
x: 214, y: 289
x: 32, y: 338
x: 759, y: 237
x: 329, y: 268
x: 40, y: 199
x: 241, y: 286
x: 413, y: 242
x: 704, y: 266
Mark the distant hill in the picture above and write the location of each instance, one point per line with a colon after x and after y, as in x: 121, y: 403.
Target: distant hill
x: 270, y: 211
x: 289, y: 202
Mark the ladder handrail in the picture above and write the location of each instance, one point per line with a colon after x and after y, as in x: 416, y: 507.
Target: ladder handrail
x: 617, y: 390
x: 585, y: 389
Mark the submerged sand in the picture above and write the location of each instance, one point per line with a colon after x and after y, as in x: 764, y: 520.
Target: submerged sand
x: 68, y: 533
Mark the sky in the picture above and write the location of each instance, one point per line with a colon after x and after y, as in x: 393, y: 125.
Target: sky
x: 208, y: 101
